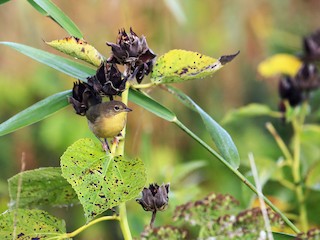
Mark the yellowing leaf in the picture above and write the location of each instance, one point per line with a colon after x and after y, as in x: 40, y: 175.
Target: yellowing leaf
x: 78, y: 48
x: 181, y: 65
x: 279, y: 64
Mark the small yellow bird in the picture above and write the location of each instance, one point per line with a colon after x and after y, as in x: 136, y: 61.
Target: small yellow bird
x: 107, y: 119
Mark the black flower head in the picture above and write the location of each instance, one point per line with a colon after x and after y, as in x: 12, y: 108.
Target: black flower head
x: 307, y: 78
x: 132, y: 51
x: 311, y: 45
x: 83, y: 96
x: 289, y: 90
x: 155, y: 198
x: 108, y: 80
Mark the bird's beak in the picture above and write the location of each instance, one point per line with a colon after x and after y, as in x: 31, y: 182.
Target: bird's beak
x: 128, y: 109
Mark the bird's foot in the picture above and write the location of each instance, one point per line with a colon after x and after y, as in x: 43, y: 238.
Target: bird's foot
x: 105, y: 146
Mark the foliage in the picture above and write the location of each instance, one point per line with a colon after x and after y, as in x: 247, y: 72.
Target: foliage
x: 101, y: 181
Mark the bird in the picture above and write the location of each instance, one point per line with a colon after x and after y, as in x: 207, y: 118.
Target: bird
x: 107, y: 119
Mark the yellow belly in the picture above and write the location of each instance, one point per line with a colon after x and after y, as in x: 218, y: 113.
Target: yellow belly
x: 109, y: 127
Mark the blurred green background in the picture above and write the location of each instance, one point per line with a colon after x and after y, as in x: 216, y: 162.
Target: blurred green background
x: 257, y: 28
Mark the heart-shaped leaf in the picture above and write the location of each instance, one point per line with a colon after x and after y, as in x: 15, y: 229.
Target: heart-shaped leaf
x: 101, y: 181
x: 26, y: 224
x: 43, y: 186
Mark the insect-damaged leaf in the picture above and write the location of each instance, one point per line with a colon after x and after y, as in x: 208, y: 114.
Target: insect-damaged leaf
x: 181, y: 65
x: 28, y: 224
x: 42, y: 186
x: 78, y: 48
x: 101, y: 181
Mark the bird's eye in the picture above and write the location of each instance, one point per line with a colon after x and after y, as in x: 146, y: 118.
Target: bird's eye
x: 116, y: 108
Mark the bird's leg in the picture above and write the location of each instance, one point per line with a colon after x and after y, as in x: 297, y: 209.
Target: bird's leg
x: 117, y: 139
x: 105, y: 145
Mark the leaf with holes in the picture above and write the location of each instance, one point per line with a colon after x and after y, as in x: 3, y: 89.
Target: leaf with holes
x: 101, y: 181
x: 28, y: 224
x: 78, y: 48
x: 43, y: 186
x: 180, y: 65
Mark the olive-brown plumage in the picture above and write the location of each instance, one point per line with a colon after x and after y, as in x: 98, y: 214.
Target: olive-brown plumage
x: 107, y: 119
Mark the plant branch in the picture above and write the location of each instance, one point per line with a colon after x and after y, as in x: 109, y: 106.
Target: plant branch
x: 283, y: 147
x: 124, y: 225
x: 237, y: 173
x: 297, y: 124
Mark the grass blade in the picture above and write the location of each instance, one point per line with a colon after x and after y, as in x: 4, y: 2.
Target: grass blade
x: 151, y: 105
x: 61, y: 64
x: 35, y: 113
x: 57, y: 15
x: 219, y: 135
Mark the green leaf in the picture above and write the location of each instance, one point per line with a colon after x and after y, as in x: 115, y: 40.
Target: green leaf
x: 310, y: 146
x: 313, y: 177
x: 181, y: 65
x: 79, y: 49
x: 28, y: 224
x: 251, y: 110
x: 101, y: 181
x: 283, y: 236
x: 61, y: 64
x: 3, y: 1
x: 35, y: 113
x: 181, y: 171
x: 57, y: 15
x: 43, y: 186
x: 38, y: 8
x: 221, y: 137
x: 151, y: 105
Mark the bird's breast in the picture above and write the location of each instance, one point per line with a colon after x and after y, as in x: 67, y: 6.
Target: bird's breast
x: 108, y: 127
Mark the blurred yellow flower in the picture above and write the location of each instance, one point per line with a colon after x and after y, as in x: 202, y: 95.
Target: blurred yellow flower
x: 279, y: 64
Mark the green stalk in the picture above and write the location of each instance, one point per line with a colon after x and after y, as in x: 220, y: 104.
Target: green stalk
x: 84, y: 227
x: 236, y: 172
x: 124, y: 225
x: 297, y: 124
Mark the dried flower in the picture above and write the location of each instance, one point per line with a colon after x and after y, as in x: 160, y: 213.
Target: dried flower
x: 108, y: 80
x: 289, y: 90
x: 307, y: 78
x: 132, y: 51
x: 83, y: 96
x: 155, y: 198
x: 311, y: 45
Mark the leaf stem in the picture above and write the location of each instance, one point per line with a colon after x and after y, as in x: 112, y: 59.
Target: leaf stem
x: 237, y: 173
x: 141, y: 86
x: 84, y: 227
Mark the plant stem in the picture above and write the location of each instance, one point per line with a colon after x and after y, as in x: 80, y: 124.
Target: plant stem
x: 237, y: 173
x: 79, y: 230
x: 280, y: 142
x: 153, y: 217
x: 124, y: 225
x: 297, y: 124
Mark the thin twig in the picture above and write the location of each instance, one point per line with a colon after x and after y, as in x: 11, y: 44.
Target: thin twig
x: 283, y: 147
x: 260, y: 196
x: 15, y: 219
